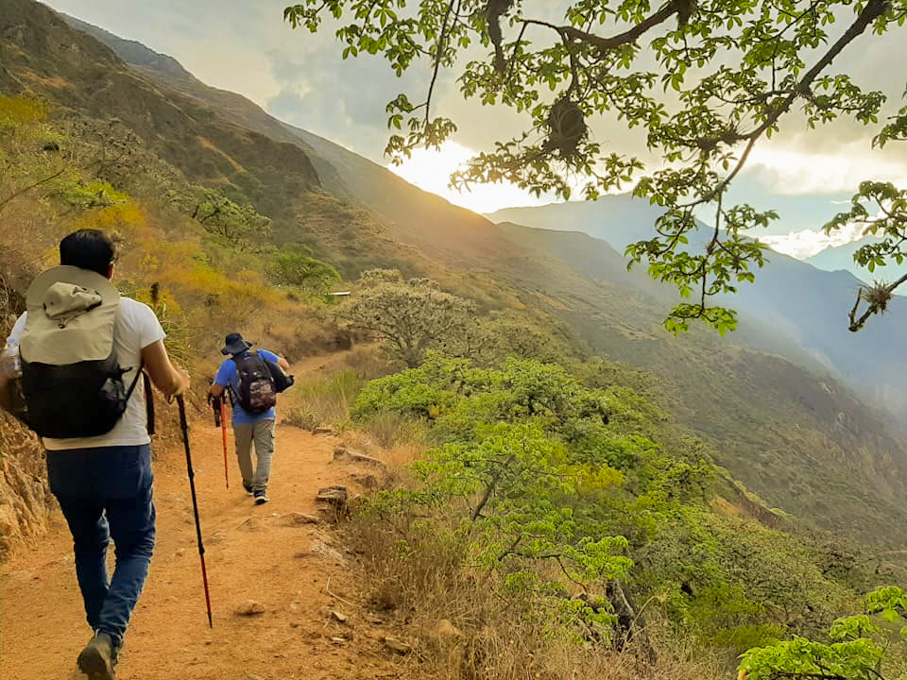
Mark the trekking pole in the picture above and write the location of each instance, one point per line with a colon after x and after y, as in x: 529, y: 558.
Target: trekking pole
x: 198, y: 527
x: 223, y: 430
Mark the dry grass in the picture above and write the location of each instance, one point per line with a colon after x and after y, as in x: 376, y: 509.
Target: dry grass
x: 462, y: 628
x: 418, y: 572
x: 391, y: 429
x: 369, y: 361
x: 323, y: 401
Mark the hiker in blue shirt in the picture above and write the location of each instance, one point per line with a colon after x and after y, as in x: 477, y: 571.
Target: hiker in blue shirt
x: 252, y: 394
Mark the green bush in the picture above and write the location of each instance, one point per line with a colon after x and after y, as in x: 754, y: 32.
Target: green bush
x: 858, y: 653
x: 295, y: 266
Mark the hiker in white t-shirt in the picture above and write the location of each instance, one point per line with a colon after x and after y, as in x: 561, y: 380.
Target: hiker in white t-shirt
x: 103, y: 482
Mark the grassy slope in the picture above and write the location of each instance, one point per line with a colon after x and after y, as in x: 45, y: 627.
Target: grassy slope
x: 761, y: 410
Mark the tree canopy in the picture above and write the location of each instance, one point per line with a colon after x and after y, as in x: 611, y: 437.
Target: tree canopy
x: 411, y: 316
x: 707, y: 80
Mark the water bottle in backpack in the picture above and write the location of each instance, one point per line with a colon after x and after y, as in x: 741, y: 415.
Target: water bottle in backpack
x: 12, y: 399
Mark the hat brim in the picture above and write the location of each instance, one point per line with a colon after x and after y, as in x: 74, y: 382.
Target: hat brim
x: 77, y: 277
x: 238, y: 348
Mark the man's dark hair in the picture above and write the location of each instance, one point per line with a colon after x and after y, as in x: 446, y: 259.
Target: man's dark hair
x: 88, y: 249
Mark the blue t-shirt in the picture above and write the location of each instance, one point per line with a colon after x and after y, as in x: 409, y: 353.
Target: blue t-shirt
x: 228, y: 377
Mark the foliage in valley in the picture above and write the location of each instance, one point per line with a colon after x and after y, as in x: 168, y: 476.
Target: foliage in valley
x: 579, y: 507
x: 858, y: 650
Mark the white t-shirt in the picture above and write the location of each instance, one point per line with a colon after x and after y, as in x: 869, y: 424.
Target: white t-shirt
x: 136, y: 328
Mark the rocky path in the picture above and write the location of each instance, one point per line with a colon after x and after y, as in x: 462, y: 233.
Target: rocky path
x: 296, y: 571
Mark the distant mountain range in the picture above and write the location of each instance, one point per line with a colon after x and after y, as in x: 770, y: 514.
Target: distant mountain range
x: 766, y: 398
x: 806, y: 304
x: 840, y: 258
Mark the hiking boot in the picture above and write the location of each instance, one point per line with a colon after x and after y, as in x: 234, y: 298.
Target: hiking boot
x: 247, y: 486
x: 99, y: 658
x: 261, y: 497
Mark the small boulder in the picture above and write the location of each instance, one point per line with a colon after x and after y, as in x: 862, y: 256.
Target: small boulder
x: 365, y: 481
x: 249, y: 608
x: 335, y: 503
x: 335, y: 495
x: 295, y: 519
x: 344, y: 455
x: 397, y: 646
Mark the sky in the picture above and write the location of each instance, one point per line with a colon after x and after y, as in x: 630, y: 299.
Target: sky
x: 244, y: 46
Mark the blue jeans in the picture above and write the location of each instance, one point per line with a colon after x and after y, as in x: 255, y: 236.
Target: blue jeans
x: 107, y: 493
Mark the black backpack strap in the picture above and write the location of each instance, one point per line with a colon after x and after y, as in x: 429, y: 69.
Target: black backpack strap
x: 135, y: 381
x: 234, y: 394
x: 149, y: 404
x: 149, y: 397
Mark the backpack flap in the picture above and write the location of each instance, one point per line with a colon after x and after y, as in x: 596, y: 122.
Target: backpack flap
x: 71, y: 317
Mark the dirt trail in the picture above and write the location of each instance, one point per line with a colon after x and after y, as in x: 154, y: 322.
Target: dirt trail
x: 253, y: 552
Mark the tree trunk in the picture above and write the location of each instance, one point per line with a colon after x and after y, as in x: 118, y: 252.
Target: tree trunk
x: 631, y: 626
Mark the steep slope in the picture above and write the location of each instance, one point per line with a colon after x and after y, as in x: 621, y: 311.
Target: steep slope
x: 796, y: 438
x: 367, y: 216
x: 41, y: 55
x: 412, y: 215
x: 804, y: 303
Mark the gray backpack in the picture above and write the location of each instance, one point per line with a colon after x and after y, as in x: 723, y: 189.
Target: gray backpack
x: 71, y: 378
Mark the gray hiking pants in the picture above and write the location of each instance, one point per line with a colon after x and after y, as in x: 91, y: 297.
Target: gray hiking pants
x: 263, y: 433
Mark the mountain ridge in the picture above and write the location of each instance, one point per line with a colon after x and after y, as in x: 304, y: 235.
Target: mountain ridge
x: 808, y: 304
x: 782, y: 409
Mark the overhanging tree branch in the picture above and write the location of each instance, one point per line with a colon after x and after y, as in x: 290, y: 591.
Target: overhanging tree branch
x: 569, y: 33
x: 877, y: 298
x: 872, y: 11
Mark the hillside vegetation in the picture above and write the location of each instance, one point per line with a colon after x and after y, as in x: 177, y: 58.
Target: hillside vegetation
x: 365, y: 211
x: 799, y: 302
x: 584, y: 488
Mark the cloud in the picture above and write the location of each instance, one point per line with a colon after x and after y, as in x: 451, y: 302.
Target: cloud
x: 809, y: 242
x: 790, y: 170
x: 344, y: 101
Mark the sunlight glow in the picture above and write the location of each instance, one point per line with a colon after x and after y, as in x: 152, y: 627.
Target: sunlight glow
x: 431, y: 170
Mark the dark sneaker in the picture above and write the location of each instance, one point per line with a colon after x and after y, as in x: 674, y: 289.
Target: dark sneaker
x: 99, y: 657
x: 261, y: 498
x: 247, y: 486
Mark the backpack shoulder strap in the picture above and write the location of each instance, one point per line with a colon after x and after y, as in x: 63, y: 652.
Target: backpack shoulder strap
x: 149, y: 404
x: 234, y: 393
x: 135, y: 381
